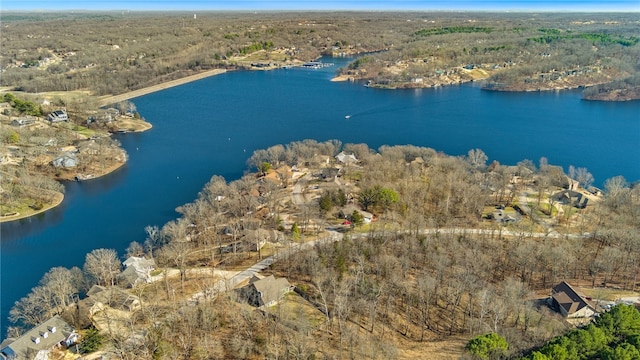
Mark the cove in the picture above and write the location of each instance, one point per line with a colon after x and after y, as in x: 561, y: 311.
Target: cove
x: 210, y: 127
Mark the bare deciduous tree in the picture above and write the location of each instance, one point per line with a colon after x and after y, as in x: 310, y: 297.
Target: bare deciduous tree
x: 477, y: 158
x: 103, y: 265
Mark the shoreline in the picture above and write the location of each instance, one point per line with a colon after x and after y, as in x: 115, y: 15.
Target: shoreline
x: 143, y: 126
x: 108, y: 100
x: 59, y: 197
x: 57, y: 201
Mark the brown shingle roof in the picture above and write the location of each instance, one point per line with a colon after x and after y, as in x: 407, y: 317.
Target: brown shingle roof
x: 567, y: 298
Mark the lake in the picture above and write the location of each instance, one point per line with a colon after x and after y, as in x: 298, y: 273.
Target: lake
x: 210, y: 127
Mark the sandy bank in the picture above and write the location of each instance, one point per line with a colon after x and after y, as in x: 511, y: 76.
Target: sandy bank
x: 148, y: 90
x: 343, y: 78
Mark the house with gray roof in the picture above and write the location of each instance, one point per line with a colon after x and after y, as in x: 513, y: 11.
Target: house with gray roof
x: 22, y: 122
x: 266, y: 292
x: 66, y: 160
x: 571, y: 197
x: 100, y: 297
x: 58, y: 116
x: 39, y: 341
x: 137, y: 271
x: 345, y: 158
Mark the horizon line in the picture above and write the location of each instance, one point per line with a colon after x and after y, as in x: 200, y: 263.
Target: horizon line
x: 140, y: 10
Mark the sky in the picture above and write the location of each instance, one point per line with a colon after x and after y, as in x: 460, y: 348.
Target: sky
x: 257, y: 5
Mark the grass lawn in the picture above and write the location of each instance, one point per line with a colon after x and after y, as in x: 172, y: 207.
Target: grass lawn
x: 84, y: 131
x: 27, y: 205
x: 298, y: 312
x: 607, y: 293
x: 543, y: 209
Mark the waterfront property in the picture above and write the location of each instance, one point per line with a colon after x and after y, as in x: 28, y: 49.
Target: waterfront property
x: 137, y: 271
x: 169, y: 165
x: 38, y: 342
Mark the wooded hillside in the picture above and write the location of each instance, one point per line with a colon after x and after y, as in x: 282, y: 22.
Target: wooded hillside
x: 112, y: 53
x: 426, y: 267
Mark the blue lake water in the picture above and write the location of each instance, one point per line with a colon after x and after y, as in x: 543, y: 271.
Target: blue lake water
x: 210, y: 127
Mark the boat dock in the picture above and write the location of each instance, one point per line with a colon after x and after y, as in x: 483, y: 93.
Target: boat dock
x: 316, y: 65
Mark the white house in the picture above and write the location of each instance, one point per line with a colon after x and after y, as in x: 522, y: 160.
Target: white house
x: 137, y: 270
x: 66, y: 160
x: 346, y: 159
x: 58, y: 116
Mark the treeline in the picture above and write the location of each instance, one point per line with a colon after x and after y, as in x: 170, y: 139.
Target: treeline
x: 60, y: 287
x: 115, y: 53
x: 596, y: 38
x: 118, y: 53
x: 454, y: 30
x: 630, y: 84
x: 25, y: 107
x: 265, y: 45
x: 509, y: 52
x: 614, y: 335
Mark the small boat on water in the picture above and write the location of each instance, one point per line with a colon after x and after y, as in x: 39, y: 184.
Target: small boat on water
x: 347, y: 116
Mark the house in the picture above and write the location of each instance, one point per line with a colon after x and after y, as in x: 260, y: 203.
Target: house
x: 280, y: 176
x: 571, y: 197
x: 346, y: 159
x: 266, y: 292
x: 329, y: 174
x: 109, y: 114
x: 255, y: 239
x: 566, y: 300
x: 594, y: 191
x: 66, y: 160
x: 572, y: 184
x: 503, y: 217
x: 137, y: 271
x: 58, y: 116
x: 39, y: 341
x: 99, y: 298
x: 22, y: 122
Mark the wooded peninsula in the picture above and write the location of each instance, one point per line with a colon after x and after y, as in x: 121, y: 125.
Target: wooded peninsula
x: 97, y: 61
x: 324, y: 250
x: 112, y: 53
x: 330, y: 251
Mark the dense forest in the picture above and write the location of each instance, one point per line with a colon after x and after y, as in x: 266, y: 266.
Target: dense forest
x: 613, y: 336
x: 431, y: 271
x: 112, y: 53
